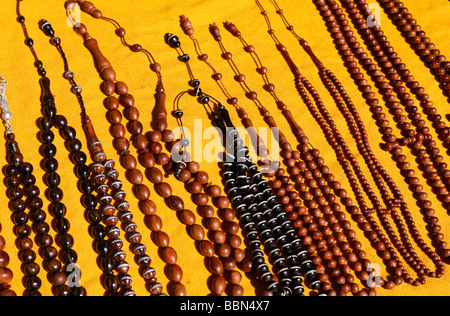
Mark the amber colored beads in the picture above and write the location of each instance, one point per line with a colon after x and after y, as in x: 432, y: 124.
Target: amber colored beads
x: 414, y: 35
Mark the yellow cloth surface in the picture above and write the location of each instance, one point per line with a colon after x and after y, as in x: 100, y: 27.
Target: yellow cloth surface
x: 146, y: 23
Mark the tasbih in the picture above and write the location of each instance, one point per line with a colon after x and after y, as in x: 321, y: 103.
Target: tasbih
x: 431, y: 112
x: 110, y: 194
x: 287, y: 195
x: 420, y: 141
x: 6, y: 275
x: 261, y: 149
x: 419, y: 42
x: 432, y: 166
x: 57, y: 209
x: 262, y: 217
x: 196, y: 182
x: 21, y: 183
x: 359, y: 133
x: 321, y: 183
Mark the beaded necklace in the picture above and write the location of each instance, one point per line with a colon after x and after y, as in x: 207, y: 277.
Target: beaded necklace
x: 420, y: 141
x: 6, y: 275
x: 57, y: 209
x: 414, y: 35
x: 263, y: 218
x: 358, y: 131
x: 223, y: 264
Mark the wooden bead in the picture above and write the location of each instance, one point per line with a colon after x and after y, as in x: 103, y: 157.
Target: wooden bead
x: 6, y: 275
x: 179, y: 290
x: 162, y: 239
x: 148, y: 207
x: 4, y: 259
x: 187, y: 217
x: 170, y: 255
x: 164, y: 189
x: 148, y: 160
x: 218, y: 285
x: 128, y: 161
x: 142, y: 192
x: 175, y: 273
x: 197, y: 232
x: 108, y: 87
x: 155, y: 223
x: 135, y: 176
x: 176, y: 203
x: 215, y: 266
x: 206, y: 248
x: 155, y: 175
x: 112, y: 103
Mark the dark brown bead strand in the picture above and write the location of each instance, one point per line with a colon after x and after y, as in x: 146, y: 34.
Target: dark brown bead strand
x: 6, y: 275
x: 22, y: 230
x: 394, y: 149
x: 331, y: 83
x: 21, y: 184
x: 344, y: 288
x: 414, y: 35
x: 261, y: 149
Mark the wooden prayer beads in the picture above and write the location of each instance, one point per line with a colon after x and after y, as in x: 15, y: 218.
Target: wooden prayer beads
x: 6, y: 275
x: 163, y: 189
x: 57, y: 209
x: 310, y: 202
x: 109, y: 192
x: 433, y: 168
x: 414, y: 35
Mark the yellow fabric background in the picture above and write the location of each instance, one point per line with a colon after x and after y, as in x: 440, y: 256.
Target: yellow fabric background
x: 146, y: 22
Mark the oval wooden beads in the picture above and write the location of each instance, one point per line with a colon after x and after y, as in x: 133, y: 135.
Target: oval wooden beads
x: 6, y: 274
